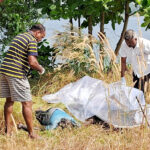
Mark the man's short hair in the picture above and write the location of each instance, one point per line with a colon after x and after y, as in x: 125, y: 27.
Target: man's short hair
x: 37, y: 27
x: 129, y: 34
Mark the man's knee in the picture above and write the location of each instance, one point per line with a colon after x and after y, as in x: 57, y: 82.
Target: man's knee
x: 27, y: 104
x: 9, y: 101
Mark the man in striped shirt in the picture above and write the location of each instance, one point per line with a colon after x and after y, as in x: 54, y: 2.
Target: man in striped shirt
x: 14, y: 85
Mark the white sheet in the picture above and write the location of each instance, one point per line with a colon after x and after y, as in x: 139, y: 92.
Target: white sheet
x: 114, y: 103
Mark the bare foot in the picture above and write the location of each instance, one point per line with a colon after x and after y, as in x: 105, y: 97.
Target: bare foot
x: 34, y: 136
x: 8, y: 133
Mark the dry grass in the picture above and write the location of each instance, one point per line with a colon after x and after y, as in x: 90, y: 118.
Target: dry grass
x: 92, y: 137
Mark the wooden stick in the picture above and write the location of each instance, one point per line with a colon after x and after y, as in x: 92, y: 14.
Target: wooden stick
x: 143, y: 111
x: 14, y: 123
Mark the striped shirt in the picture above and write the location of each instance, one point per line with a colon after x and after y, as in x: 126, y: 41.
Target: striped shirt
x: 16, y: 63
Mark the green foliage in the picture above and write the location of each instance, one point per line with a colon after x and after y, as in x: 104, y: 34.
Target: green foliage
x: 83, y: 66
x: 146, y: 14
x: 46, y: 57
x: 107, y: 64
x: 59, y: 9
x: 76, y: 53
x: 16, y: 16
x: 2, y: 55
x: 145, y: 11
x: 67, y: 9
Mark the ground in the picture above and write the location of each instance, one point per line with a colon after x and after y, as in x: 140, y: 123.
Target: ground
x: 92, y: 137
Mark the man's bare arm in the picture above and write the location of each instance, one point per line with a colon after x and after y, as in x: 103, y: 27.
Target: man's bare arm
x: 34, y: 63
x: 123, y: 66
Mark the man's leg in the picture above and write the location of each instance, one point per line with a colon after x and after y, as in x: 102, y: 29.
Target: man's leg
x: 146, y: 83
x: 142, y: 84
x: 8, y: 109
x: 27, y: 114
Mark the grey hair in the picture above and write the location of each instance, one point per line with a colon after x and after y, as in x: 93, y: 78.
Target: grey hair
x: 130, y: 34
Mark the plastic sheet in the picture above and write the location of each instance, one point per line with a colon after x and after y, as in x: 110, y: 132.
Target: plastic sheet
x: 114, y: 103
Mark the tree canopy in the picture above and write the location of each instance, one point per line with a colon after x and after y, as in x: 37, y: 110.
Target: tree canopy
x: 145, y: 11
x: 18, y: 15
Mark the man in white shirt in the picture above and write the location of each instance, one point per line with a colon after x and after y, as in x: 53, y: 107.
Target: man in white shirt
x: 136, y: 51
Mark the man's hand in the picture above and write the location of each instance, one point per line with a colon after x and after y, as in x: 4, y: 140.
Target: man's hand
x: 42, y: 71
x: 35, y: 65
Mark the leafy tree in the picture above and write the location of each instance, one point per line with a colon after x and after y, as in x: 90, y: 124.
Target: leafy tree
x: 46, y: 57
x: 127, y: 14
x: 16, y: 16
x: 92, y: 12
x: 145, y: 11
x: 66, y: 9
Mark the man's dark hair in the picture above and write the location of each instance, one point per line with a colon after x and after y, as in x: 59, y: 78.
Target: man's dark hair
x: 37, y: 27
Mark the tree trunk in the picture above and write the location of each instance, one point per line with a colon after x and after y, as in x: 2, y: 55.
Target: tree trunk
x: 90, y: 25
x: 102, y: 19
x: 124, y: 27
x: 79, y: 25
x: 90, y: 29
x: 71, y: 25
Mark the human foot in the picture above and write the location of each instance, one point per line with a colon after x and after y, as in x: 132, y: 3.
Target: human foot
x: 34, y: 136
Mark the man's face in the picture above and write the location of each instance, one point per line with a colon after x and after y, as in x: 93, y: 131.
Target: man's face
x: 131, y: 42
x: 39, y: 35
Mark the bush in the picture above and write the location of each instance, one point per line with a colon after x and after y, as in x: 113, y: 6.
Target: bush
x: 46, y: 57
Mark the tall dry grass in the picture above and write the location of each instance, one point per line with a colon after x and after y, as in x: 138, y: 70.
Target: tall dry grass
x: 92, y: 137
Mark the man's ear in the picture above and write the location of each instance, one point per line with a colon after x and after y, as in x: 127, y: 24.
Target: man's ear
x: 37, y: 32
